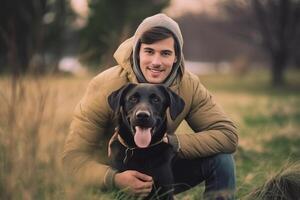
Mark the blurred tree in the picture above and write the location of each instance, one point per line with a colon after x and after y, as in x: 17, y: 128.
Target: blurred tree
x: 28, y: 30
x: 204, y: 42
x: 15, y: 29
x: 112, y: 21
x: 272, y: 24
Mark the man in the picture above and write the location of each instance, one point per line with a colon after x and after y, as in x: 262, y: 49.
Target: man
x: 154, y: 55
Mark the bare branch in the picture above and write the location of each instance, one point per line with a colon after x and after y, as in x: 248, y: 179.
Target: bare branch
x: 262, y: 21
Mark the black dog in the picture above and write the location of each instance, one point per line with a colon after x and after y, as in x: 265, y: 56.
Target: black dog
x: 142, y: 124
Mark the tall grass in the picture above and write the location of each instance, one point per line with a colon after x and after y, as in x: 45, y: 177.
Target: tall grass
x: 35, y: 114
x: 284, y: 185
x: 26, y: 114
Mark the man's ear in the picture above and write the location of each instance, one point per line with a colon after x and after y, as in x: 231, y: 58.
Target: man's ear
x: 176, y: 103
x: 116, y: 98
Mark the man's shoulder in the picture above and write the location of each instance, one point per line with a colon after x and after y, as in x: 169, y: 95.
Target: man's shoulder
x: 191, y: 85
x: 190, y: 79
x: 109, y: 80
x: 110, y: 74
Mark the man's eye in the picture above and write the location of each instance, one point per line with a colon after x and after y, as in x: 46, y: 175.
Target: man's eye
x: 149, y: 51
x: 166, y: 53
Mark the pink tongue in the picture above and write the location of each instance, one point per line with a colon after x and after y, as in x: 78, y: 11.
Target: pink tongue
x: 142, y: 137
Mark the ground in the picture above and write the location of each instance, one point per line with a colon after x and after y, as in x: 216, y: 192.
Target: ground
x: 35, y: 117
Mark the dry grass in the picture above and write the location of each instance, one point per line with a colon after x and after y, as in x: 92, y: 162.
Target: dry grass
x: 284, y: 185
x: 34, y: 119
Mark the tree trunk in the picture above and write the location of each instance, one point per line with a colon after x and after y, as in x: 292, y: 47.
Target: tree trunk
x: 278, y: 66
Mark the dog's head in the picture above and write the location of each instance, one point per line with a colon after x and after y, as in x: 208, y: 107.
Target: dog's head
x: 142, y: 108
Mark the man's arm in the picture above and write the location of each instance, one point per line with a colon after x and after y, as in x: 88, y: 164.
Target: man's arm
x: 215, y: 132
x: 84, y: 150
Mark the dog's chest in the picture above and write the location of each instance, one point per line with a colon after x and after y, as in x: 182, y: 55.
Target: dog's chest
x: 141, y: 159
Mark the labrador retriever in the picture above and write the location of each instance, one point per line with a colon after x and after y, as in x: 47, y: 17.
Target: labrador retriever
x: 142, y: 124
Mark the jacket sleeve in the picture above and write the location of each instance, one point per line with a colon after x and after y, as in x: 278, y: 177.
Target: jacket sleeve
x: 85, y: 147
x: 214, y: 131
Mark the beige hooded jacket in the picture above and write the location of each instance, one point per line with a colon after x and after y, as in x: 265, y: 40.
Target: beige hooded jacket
x: 85, y: 151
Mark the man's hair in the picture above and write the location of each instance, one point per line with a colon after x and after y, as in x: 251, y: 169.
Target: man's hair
x: 158, y: 33
x: 155, y: 34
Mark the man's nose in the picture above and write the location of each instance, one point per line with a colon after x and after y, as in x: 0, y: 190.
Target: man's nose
x: 156, y: 61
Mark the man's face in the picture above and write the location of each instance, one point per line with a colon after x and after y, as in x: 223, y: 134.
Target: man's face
x: 157, y: 59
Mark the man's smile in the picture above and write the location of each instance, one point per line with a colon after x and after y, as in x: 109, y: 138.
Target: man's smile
x: 155, y: 70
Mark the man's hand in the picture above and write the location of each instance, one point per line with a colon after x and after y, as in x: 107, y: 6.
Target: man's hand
x: 134, y: 182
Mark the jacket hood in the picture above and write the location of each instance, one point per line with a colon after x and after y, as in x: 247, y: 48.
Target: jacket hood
x: 129, y: 47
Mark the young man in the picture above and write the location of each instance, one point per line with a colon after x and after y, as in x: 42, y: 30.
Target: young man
x: 154, y: 55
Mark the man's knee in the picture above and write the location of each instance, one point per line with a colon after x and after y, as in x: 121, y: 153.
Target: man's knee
x: 224, y: 168
x: 223, y: 161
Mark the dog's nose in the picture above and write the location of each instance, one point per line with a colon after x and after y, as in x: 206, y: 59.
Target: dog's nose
x: 142, y: 114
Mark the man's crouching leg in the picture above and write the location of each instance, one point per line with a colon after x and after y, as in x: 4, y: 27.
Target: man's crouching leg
x: 220, y: 182
x: 218, y: 173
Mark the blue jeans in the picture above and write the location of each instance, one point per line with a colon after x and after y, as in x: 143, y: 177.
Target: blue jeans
x: 218, y: 173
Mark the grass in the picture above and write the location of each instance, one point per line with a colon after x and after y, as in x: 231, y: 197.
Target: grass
x: 35, y: 114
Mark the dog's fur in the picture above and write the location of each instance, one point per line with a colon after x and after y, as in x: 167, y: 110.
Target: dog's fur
x: 145, y: 105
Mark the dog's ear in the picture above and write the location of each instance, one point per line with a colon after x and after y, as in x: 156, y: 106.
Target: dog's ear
x: 176, y: 103
x: 116, y: 98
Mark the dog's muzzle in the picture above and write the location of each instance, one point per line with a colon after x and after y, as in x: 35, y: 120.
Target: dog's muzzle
x: 142, y: 115
x: 143, y: 118
x: 143, y: 124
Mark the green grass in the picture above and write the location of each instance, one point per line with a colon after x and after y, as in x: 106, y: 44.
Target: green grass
x: 268, y: 121
x: 31, y: 140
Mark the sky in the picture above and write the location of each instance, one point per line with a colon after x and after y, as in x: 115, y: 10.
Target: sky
x: 180, y: 7
x: 176, y: 8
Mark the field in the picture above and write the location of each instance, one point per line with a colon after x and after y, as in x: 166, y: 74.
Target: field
x: 35, y: 114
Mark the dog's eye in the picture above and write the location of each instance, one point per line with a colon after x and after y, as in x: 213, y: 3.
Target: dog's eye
x: 155, y: 99
x: 133, y: 99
